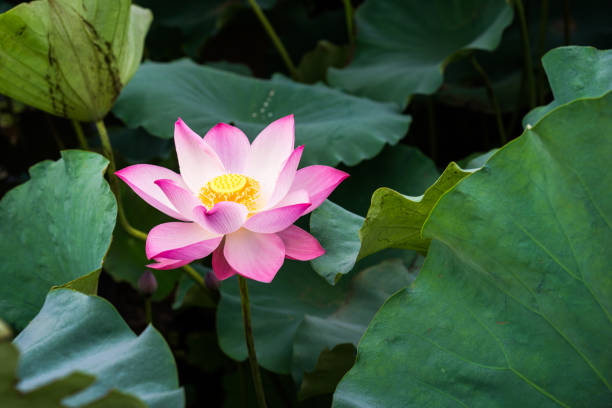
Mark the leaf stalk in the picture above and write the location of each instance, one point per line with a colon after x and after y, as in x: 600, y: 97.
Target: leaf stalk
x: 248, y: 334
x: 492, y: 99
x: 531, y: 89
x: 275, y: 39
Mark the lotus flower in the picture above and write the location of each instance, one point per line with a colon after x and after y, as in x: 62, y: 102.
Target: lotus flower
x: 234, y: 199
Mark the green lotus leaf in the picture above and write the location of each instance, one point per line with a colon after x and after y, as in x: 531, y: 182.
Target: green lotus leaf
x: 314, y: 64
x: 204, y: 96
x: 338, y: 232
x: 190, y: 294
x: 71, y: 58
x: 75, y: 332
x: 404, y: 45
x: 574, y: 72
x: 87, y: 284
x: 330, y: 368
x: 298, y: 314
x: 50, y: 395
x: 513, y: 306
x: 54, y: 228
x: 395, y: 220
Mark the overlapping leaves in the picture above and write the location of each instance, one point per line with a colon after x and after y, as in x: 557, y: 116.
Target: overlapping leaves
x: 512, y: 307
x: 78, y: 338
x: 298, y: 315
x: 574, y: 72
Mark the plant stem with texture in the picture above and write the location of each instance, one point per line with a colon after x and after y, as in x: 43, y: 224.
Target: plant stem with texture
x: 531, y: 89
x: 275, y: 39
x: 348, y: 11
x: 107, y: 150
x: 248, y: 333
x: 492, y: 99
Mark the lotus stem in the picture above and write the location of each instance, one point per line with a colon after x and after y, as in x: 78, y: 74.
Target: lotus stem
x: 80, y: 135
x: 566, y: 22
x: 433, y: 135
x: 107, y: 151
x: 275, y: 39
x: 541, y: 43
x: 148, y: 310
x: 248, y: 333
x: 520, y: 10
x: 492, y: 99
x: 348, y: 11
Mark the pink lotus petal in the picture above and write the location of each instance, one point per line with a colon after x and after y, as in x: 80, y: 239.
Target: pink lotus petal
x: 318, y: 181
x: 164, y: 264
x: 269, y: 151
x: 253, y: 255
x: 181, y: 198
x: 141, y: 178
x: 285, y: 178
x: 194, y: 251
x: 294, y: 197
x: 299, y: 244
x: 276, y: 219
x: 221, y: 268
x: 231, y: 145
x: 198, y: 161
x: 224, y: 218
x: 177, y: 235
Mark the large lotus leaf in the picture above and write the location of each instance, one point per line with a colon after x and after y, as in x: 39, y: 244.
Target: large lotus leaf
x: 574, y: 72
x: 298, y: 315
x: 513, y: 307
x: 404, y: 45
x: 77, y: 332
x: 54, y: 228
x: 71, y: 58
x: 50, y: 395
x: 204, y: 96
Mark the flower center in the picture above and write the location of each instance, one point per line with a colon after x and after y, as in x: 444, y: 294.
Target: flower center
x: 231, y: 187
